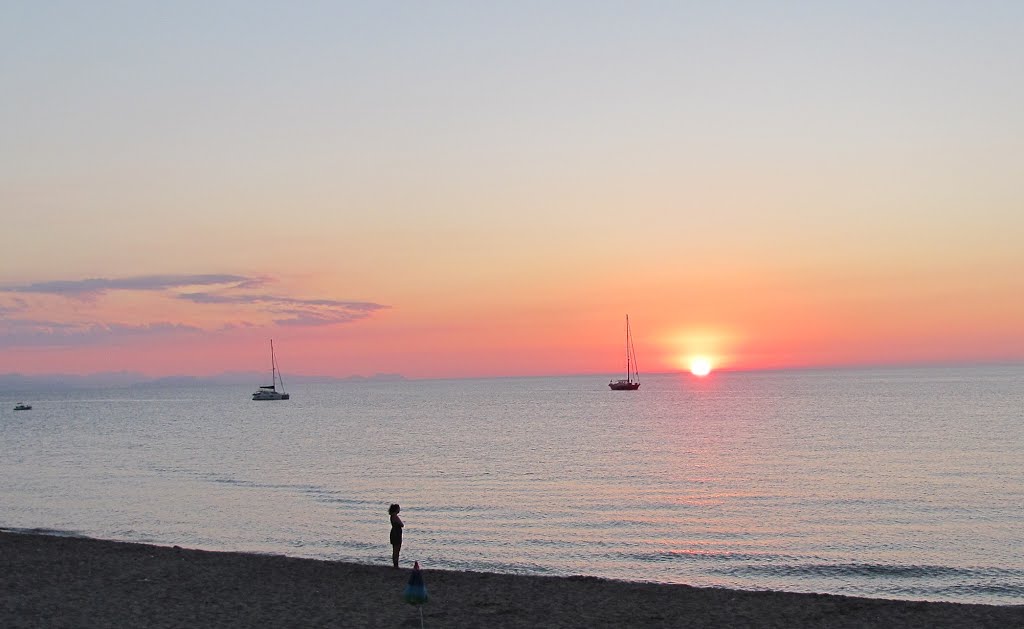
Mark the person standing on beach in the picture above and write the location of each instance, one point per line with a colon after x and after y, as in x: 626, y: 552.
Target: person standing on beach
x: 396, y: 533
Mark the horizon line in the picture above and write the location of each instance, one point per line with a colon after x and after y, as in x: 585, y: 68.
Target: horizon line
x: 379, y: 375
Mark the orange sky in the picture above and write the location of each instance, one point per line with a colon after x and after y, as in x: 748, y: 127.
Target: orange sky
x: 743, y: 319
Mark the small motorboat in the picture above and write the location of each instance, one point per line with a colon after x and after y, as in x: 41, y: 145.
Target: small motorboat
x: 23, y: 407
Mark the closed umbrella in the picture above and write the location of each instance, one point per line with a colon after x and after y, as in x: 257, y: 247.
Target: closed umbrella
x: 416, y: 590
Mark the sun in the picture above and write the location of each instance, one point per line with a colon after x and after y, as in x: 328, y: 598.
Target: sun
x: 700, y: 366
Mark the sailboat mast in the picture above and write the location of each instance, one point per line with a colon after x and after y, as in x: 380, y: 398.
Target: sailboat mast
x: 273, y: 366
x: 628, y: 370
x: 632, y: 351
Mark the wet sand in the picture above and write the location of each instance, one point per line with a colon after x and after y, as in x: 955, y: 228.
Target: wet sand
x: 48, y: 581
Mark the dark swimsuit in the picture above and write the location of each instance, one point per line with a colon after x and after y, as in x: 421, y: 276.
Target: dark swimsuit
x: 396, y: 531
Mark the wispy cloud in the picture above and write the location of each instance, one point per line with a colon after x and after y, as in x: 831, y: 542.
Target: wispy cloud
x: 28, y: 332
x: 294, y: 311
x: 210, y: 298
x: 99, y: 285
x: 12, y: 305
x: 223, y: 289
x: 310, y: 318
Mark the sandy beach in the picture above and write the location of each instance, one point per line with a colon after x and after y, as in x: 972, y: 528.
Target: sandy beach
x: 49, y: 581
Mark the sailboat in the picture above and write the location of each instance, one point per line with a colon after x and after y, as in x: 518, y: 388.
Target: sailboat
x: 632, y: 381
x: 269, y: 391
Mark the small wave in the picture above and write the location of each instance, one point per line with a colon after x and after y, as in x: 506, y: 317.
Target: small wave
x: 354, y: 545
x: 708, y: 556
x: 444, y: 509
x: 926, y: 590
x: 1015, y: 591
x: 499, y: 567
x: 43, y: 531
x: 887, y: 570
x: 233, y: 481
x: 317, y: 493
x: 874, y: 570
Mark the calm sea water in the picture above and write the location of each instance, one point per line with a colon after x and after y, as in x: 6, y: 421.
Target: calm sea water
x: 899, y: 483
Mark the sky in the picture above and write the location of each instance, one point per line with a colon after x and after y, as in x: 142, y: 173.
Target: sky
x: 462, y: 189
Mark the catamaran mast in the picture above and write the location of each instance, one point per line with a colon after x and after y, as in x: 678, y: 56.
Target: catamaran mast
x: 273, y: 366
x: 274, y: 359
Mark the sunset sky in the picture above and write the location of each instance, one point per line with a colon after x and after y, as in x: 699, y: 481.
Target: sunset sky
x: 449, y: 189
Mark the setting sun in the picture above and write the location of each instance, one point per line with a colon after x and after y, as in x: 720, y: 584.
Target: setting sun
x: 700, y: 366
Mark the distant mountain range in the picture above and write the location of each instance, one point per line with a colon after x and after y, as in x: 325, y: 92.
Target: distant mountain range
x: 21, y: 382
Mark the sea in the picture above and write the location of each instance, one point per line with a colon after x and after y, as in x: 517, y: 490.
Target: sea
x: 897, y: 483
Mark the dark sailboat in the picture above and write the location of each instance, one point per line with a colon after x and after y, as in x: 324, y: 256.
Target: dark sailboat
x: 269, y: 391
x: 632, y: 380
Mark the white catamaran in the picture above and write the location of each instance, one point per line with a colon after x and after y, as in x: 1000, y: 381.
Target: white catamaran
x: 632, y: 381
x: 269, y: 391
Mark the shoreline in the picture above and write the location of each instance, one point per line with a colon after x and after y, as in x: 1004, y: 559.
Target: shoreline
x: 63, y: 581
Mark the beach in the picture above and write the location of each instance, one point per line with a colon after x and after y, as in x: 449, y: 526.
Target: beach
x: 57, y: 581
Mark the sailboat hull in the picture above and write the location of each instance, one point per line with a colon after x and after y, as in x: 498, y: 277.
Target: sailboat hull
x: 623, y: 386
x: 263, y: 396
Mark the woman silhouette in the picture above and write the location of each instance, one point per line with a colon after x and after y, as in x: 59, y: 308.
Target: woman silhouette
x: 396, y: 533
